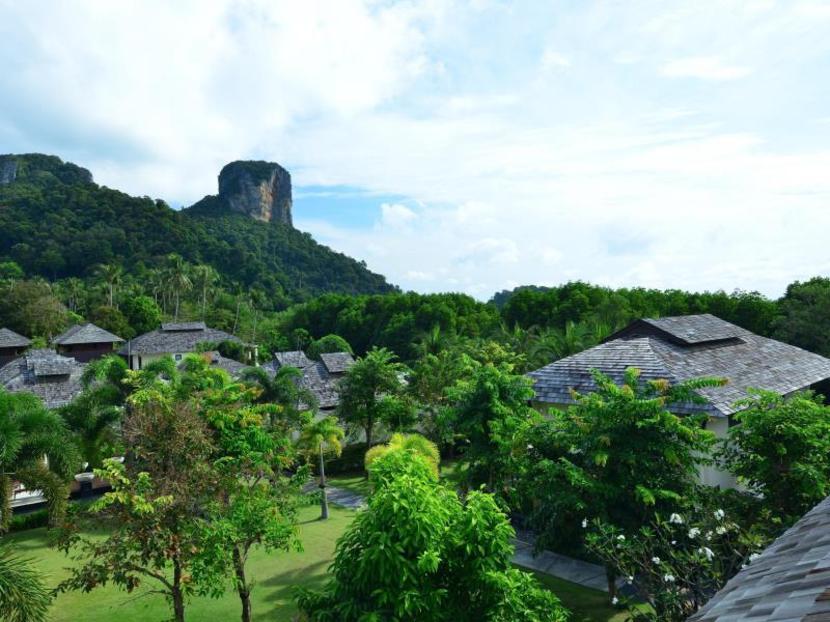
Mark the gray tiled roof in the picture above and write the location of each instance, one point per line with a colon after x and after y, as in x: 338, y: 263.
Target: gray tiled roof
x: 177, y: 326
x: 337, y: 362
x: 317, y: 377
x: 789, y: 582
x: 10, y: 339
x: 86, y: 333
x: 745, y: 359
x: 54, y: 378
x: 293, y: 358
x: 171, y: 340
x: 692, y: 329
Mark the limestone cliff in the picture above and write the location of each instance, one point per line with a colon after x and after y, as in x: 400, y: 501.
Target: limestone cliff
x: 261, y: 190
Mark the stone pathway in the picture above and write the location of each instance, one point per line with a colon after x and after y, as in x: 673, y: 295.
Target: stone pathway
x: 560, y: 566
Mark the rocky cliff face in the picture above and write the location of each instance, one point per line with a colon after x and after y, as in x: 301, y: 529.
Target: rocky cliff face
x: 8, y: 169
x: 261, y: 190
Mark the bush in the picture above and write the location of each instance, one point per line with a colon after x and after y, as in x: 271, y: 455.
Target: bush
x: 30, y: 520
x: 350, y: 461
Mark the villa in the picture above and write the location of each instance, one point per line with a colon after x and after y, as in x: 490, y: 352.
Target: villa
x: 172, y: 339
x: 12, y: 345
x: 86, y: 342
x: 55, y: 379
x: 319, y: 377
x: 682, y: 348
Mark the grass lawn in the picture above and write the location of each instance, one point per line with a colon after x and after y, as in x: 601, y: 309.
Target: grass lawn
x: 585, y: 605
x: 357, y: 482
x: 275, y: 574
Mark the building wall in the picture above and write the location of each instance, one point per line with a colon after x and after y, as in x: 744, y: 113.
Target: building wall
x: 7, y: 355
x: 140, y: 361
x: 85, y: 352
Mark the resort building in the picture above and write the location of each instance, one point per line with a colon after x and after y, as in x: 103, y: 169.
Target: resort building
x: 172, y: 339
x: 12, y: 345
x: 86, y: 342
x: 682, y: 348
x: 55, y: 379
x: 319, y: 377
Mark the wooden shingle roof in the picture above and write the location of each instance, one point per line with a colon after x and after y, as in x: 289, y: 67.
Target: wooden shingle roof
x: 176, y: 338
x: 789, y: 582
x: 337, y: 362
x: 85, y: 333
x: 54, y: 378
x: 321, y: 378
x: 678, y: 349
x: 10, y: 339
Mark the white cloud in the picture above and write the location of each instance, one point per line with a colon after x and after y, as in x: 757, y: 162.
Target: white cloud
x: 552, y: 59
x: 704, y: 68
x: 396, y: 215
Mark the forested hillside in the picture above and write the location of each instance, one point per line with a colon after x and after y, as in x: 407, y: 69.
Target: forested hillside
x: 56, y: 222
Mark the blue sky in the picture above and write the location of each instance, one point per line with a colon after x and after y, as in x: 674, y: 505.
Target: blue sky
x: 467, y: 146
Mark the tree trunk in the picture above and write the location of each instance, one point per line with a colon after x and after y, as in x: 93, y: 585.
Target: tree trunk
x: 176, y: 593
x: 369, y: 425
x: 111, y: 287
x: 176, y: 316
x: 242, y: 587
x: 6, y: 492
x: 204, y: 302
x: 324, y: 502
x: 611, y: 576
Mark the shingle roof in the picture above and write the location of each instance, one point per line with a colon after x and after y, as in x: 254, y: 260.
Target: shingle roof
x: 745, y: 359
x: 337, y: 362
x: 172, y: 340
x: 86, y: 333
x: 178, y: 326
x: 54, y: 378
x: 10, y: 339
x: 789, y: 582
x: 293, y: 358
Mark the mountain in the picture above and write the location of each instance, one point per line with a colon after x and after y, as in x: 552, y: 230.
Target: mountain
x: 55, y: 221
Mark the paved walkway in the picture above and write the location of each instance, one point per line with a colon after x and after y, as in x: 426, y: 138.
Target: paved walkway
x: 573, y: 570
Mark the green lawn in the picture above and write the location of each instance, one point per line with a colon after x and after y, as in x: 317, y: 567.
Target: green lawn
x: 275, y: 574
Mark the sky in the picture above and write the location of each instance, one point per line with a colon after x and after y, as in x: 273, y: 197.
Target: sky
x: 466, y: 146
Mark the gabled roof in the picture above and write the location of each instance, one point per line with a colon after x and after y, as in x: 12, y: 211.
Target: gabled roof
x: 179, y: 326
x: 10, y: 339
x: 54, y: 378
x: 293, y: 358
x: 171, y: 339
x: 789, y: 582
x: 86, y: 333
x: 701, y: 346
x: 337, y: 362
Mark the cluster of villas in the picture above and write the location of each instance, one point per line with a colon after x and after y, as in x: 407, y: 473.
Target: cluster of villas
x: 791, y: 580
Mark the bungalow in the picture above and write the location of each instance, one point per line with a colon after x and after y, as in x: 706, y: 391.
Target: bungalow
x: 685, y: 347
x: 54, y: 378
x: 12, y: 345
x: 172, y: 339
x: 86, y: 342
x: 319, y: 377
x: 788, y: 582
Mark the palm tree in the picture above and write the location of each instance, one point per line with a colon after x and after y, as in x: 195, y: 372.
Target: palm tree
x: 283, y: 389
x: 29, y: 433
x: 317, y: 439
x: 23, y: 595
x: 73, y: 288
x: 178, y: 278
x: 204, y: 278
x: 111, y: 274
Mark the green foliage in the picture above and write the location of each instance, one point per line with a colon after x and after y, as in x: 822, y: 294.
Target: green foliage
x: 29, y: 432
x: 414, y: 443
x: 675, y: 564
x: 418, y: 553
x: 617, y: 455
x: 24, y: 596
x: 31, y: 308
x: 326, y: 344
x: 142, y: 313
x: 488, y: 411
x: 113, y: 320
x: 780, y: 449
x: 29, y: 520
x: 804, y: 320
x: 372, y: 393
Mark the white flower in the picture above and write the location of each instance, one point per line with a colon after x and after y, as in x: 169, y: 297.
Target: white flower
x: 707, y: 552
x: 529, y: 446
x: 631, y: 578
x: 708, y: 535
x: 754, y: 556
x: 668, y: 578
x: 615, y: 600
x: 674, y: 542
x: 676, y: 519
x: 694, y: 532
x: 584, y: 523
x: 621, y: 538
x: 721, y: 530
x: 719, y: 514
x: 655, y: 560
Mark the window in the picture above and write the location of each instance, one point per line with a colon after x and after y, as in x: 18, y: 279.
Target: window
x: 178, y: 357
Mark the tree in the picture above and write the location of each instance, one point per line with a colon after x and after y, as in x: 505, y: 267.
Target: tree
x: 618, y: 455
x: 284, y: 390
x: 178, y: 279
x: 111, y: 275
x: 142, y: 312
x: 674, y: 564
x: 414, y: 443
x: 419, y: 553
x: 326, y: 344
x: 255, y: 504
x: 30, y: 308
x: 23, y: 595
x: 317, y: 439
x: 29, y: 433
x: 113, y: 320
x: 804, y: 320
x: 780, y: 450
x: 204, y: 278
x: 432, y: 375
x: 487, y: 412
x: 369, y: 391
x: 155, y: 506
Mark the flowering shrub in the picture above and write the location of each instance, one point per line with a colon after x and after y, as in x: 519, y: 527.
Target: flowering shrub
x: 674, y: 565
